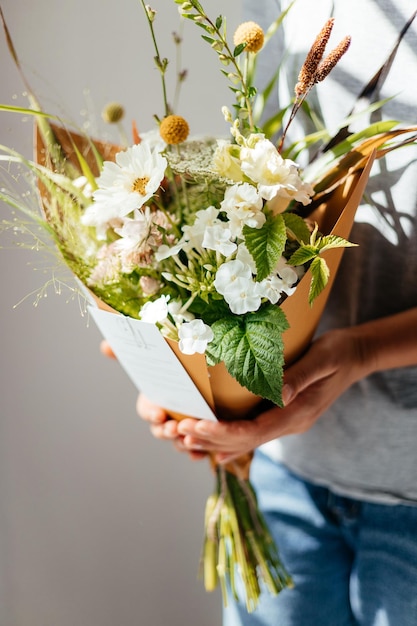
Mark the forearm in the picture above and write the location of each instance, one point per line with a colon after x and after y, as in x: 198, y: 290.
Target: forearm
x: 389, y: 342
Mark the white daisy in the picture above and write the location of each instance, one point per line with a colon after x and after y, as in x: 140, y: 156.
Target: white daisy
x: 125, y: 185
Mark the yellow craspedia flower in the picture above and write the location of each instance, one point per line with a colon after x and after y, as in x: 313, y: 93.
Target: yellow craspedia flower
x: 113, y: 113
x: 174, y: 129
x: 251, y: 34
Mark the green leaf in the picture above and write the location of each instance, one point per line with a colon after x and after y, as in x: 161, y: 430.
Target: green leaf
x: 252, y: 349
x: 197, y: 6
x: 239, y: 49
x: 304, y: 254
x: 209, y: 40
x: 219, y: 22
x: 320, y: 276
x: 296, y: 227
x: 333, y: 241
x: 266, y: 244
x: 24, y: 111
x: 85, y: 168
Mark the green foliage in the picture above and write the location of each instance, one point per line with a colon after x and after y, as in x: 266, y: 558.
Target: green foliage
x: 296, y: 227
x: 252, y: 349
x: 320, y: 276
x: 266, y: 244
x: 310, y: 254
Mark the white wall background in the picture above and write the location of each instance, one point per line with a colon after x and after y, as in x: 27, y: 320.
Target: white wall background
x: 100, y: 525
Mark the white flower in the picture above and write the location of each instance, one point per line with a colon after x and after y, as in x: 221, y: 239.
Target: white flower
x: 164, y: 251
x: 153, y: 139
x: 229, y: 272
x: 288, y: 275
x: 274, y: 175
x: 243, y: 206
x: 282, y: 281
x: 245, y: 256
x: 226, y: 160
x: 234, y: 282
x: 178, y: 315
x: 217, y: 238
x: 133, y: 232
x: 155, y: 311
x: 194, y: 337
x: 125, y: 185
x: 204, y: 218
x: 243, y: 297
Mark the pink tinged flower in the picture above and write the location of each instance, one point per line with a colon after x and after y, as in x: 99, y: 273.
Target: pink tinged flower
x: 125, y: 185
x: 150, y: 286
x: 218, y: 238
x: 108, y: 268
x: 133, y: 232
x: 155, y: 311
x: 194, y: 337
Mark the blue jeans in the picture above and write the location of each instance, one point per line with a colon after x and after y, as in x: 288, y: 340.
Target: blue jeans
x: 354, y: 563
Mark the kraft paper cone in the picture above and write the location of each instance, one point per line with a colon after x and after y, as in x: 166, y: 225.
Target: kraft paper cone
x: 334, y: 217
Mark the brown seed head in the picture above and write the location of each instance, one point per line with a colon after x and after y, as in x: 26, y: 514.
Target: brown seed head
x: 174, y: 129
x: 113, y: 113
x: 306, y: 77
x: 251, y: 34
x: 326, y: 66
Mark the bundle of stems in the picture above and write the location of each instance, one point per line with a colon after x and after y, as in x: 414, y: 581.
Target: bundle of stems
x: 238, y: 548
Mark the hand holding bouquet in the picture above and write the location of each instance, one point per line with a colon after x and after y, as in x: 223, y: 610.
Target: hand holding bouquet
x: 210, y: 239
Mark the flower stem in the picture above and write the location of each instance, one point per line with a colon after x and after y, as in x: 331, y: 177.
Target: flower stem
x: 160, y: 63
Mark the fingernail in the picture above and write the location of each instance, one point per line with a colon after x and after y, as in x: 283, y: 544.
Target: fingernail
x: 287, y: 394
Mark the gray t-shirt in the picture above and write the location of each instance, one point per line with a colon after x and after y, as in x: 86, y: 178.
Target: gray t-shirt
x: 365, y: 445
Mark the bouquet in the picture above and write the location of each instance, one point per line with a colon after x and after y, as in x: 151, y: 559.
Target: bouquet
x: 223, y: 243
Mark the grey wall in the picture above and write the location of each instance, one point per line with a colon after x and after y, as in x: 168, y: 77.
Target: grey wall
x: 100, y: 525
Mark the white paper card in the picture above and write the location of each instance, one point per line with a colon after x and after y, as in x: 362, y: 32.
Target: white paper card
x: 151, y: 364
